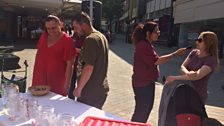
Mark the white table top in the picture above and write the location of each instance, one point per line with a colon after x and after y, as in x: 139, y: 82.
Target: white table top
x: 61, y: 105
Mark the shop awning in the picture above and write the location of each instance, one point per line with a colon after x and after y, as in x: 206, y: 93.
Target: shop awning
x: 36, y: 7
x: 39, y: 4
x: 70, y: 7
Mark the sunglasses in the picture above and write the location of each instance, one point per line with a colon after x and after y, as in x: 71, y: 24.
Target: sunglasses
x: 156, y: 32
x: 199, y: 40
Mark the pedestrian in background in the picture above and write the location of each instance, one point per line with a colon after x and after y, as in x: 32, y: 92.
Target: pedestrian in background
x: 55, y: 57
x: 200, y: 64
x: 92, y: 85
x: 146, y: 69
x: 108, y: 36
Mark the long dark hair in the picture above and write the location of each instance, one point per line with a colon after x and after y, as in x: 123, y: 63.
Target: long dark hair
x: 140, y: 31
x: 211, y: 44
x: 137, y: 34
x: 149, y: 27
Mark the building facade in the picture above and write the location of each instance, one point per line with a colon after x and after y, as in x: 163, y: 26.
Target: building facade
x: 160, y: 11
x: 194, y: 16
x: 133, y: 12
x: 20, y: 19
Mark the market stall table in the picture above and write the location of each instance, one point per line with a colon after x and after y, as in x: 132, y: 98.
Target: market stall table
x: 62, y: 105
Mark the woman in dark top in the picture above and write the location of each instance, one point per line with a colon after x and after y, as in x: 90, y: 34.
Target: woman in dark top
x: 200, y: 63
x: 145, y: 69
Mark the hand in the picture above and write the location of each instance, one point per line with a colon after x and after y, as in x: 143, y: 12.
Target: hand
x: 170, y: 79
x: 77, y: 92
x: 192, y: 73
x: 180, y: 52
x: 77, y: 50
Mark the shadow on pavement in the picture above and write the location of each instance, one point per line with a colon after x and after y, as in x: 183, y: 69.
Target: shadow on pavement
x: 7, y: 49
x: 124, y: 50
x: 20, y: 44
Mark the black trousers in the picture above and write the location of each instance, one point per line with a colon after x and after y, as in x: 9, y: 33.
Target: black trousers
x: 72, y: 86
x: 144, y: 100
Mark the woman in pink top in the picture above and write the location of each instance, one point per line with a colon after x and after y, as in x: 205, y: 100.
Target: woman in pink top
x: 200, y: 63
x: 55, y: 58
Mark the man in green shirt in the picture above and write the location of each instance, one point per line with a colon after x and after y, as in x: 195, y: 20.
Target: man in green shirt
x: 92, y: 84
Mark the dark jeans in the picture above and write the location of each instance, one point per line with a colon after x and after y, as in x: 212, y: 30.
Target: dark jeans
x: 72, y: 86
x: 93, y: 101
x: 144, y: 100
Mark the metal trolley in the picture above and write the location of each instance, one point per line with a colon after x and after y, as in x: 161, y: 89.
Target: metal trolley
x: 20, y: 81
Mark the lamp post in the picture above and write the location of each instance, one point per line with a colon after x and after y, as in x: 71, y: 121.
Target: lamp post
x: 171, y: 26
x: 91, y: 10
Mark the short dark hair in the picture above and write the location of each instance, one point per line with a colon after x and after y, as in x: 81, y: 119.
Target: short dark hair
x: 82, y: 17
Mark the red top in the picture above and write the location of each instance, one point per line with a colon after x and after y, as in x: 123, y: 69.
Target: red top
x: 50, y: 63
x: 144, y: 69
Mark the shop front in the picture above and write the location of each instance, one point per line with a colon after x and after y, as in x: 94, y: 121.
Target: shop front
x: 188, y: 32
x: 21, y: 19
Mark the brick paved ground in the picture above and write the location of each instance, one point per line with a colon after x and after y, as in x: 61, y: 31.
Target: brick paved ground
x: 120, y: 101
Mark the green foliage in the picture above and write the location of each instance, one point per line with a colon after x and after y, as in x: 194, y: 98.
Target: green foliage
x: 112, y: 9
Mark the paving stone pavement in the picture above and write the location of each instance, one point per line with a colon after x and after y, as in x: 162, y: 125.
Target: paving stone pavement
x: 120, y: 101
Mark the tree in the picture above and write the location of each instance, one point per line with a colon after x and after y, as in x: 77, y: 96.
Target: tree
x: 112, y: 9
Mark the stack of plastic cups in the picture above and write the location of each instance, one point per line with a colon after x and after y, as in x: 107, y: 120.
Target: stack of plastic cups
x: 66, y: 119
x: 11, y: 101
x: 46, y: 115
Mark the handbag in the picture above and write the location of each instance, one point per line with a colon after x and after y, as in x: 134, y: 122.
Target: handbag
x: 188, y: 119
